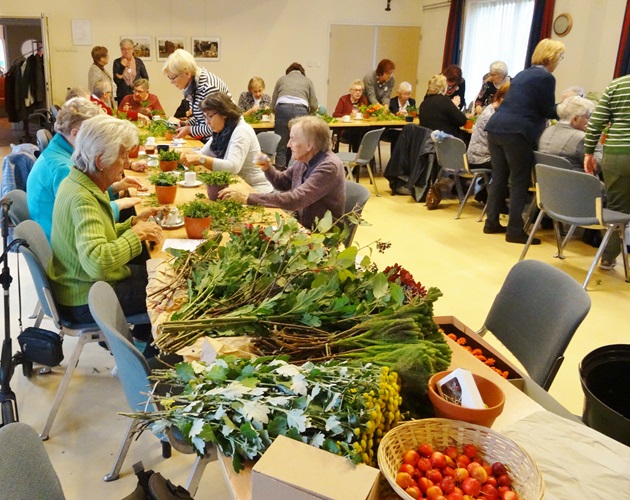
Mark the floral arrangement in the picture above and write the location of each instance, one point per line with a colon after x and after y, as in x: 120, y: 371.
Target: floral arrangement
x: 242, y: 405
x: 256, y: 116
x: 326, y: 117
x: 379, y: 112
x: 217, y: 178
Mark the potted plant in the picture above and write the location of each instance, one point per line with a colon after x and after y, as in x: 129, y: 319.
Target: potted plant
x: 168, y: 160
x: 412, y: 113
x: 165, y: 187
x: 215, y: 182
x: 197, y: 217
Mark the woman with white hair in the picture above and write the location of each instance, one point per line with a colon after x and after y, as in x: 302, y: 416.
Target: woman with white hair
x: 311, y: 186
x: 127, y: 69
x: 196, y: 83
x: 87, y: 245
x: 54, y: 165
x: 566, y: 138
x: 399, y: 105
x: 498, y: 76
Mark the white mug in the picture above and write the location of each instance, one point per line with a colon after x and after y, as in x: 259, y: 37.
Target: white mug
x: 345, y: 118
x: 190, y: 178
x: 150, y: 141
x: 358, y: 116
x: 265, y: 118
x: 173, y: 216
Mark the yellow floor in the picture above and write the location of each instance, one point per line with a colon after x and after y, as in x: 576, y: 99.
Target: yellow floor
x: 454, y: 255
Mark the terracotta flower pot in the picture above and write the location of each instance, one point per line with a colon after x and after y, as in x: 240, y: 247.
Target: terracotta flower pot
x: 167, y: 166
x: 165, y: 194
x: 469, y: 124
x: 133, y: 153
x: 213, y: 191
x: 168, y: 135
x: 196, y: 227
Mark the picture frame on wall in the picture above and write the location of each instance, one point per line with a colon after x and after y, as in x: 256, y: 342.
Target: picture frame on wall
x: 206, y: 48
x: 141, y: 46
x: 166, y: 45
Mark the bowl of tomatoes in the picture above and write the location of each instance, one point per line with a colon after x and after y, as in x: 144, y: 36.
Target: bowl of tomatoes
x: 442, y: 458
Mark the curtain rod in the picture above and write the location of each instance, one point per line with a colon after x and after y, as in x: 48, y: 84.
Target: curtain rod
x: 438, y: 5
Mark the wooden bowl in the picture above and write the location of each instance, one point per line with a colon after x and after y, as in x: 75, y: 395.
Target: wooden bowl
x: 492, y: 396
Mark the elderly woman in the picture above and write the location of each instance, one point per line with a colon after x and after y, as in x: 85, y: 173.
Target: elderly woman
x: 97, y: 71
x: 87, y: 245
x: 566, y: 138
x: 314, y: 184
x: 127, y: 69
x: 196, y: 83
x: 55, y: 163
x: 293, y: 96
x: 255, y: 98
x: 102, y: 92
x: 438, y: 111
x: 380, y: 83
x: 456, y: 85
x: 498, y: 76
x: 233, y: 145
x: 348, y: 104
x: 404, y: 100
x: 513, y: 132
x: 141, y: 101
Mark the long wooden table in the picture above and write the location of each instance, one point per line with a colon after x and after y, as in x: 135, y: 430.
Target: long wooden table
x: 365, y: 123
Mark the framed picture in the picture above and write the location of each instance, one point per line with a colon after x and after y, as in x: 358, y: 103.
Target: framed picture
x: 167, y: 45
x: 206, y: 49
x: 141, y: 46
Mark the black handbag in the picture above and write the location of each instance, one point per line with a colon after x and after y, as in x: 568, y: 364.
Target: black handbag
x: 41, y: 346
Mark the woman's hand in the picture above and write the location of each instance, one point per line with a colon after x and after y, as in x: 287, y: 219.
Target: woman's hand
x: 232, y: 193
x: 262, y: 161
x: 148, y: 231
x: 457, y: 100
x: 144, y: 118
x: 138, y: 165
x: 127, y: 202
x: 590, y: 165
x: 190, y: 159
x: 478, y: 109
x: 145, y: 215
x: 126, y: 183
x: 182, y: 132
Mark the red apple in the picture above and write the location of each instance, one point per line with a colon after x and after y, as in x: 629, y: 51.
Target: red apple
x: 425, y: 450
x: 414, y: 492
x: 433, y: 492
x: 455, y: 496
x: 411, y: 457
x: 434, y: 475
x: 480, y: 474
x: 509, y: 495
x: 438, y: 460
x: 462, y: 461
x: 489, y: 492
x: 470, y: 450
x: 498, y: 469
x: 451, y: 451
x: 460, y: 474
x: 424, y: 484
x: 409, y: 469
x: 447, y: 484
x: 471, y: 487
x: 404, y: 480
x: 504, y: 480
x: 424, y: 464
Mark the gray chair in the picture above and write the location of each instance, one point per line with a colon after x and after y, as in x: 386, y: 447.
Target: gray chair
x: 133, y: 373
x: 535, y: 315
x: 575, y: 198
x: 451, y: 156
x: 43, y: 138
x: 356, y: 198
x: 364, y: 156
x: 37, y: 256
x: 26, y: 471
x: 268, y: 143
x: 552, y: 160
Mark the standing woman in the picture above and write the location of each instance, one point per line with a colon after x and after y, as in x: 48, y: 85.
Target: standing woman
x: 456, y: 85
x: 380, y: 83
x: 97, y: 71
x: 196, y: 83
x: 513, y: 133
x: 127, y: 69
x: 293, y: 96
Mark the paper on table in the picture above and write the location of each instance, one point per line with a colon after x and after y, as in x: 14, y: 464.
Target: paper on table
x: 181, y: 244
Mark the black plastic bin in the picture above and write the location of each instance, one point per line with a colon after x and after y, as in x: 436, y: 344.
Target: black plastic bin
x: 605, y: 377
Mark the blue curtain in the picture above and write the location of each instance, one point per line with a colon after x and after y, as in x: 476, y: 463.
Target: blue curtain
x: 541, y: 26
x: 622, y: 67
x: 453, y: 42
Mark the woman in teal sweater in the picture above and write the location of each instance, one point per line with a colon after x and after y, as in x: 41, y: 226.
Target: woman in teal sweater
x: 87, y: 244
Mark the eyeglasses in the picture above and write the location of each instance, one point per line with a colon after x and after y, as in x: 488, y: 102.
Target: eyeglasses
x: 356, y: 90
x: 173, y: 78
x: 140, y: 91
x: 209, y: 116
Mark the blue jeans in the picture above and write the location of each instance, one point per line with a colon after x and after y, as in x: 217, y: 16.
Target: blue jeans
x: 284, y: 114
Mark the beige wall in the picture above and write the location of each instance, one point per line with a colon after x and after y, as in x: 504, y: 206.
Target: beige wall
x: 258, y: 38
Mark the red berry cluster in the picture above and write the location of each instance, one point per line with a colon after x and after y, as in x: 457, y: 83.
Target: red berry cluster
x: 451, y: 475
x: 398, y: 274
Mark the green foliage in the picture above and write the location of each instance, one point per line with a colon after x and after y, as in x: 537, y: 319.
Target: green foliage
x: 215, y: 178
x: 169, y: 155
x: 327, y: 118
x: 197, y: 209
x: 256, y: 116
x: 157, y: 128
x: 163, y: 179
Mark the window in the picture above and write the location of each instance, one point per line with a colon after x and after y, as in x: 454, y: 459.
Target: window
x: 3, y: 62
x: 494, y: 30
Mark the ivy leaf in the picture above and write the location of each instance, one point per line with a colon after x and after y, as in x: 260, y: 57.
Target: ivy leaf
x: 217, y: 373
x: 325, y: 223
x: 397, y: 293
x: 347, y: 258
x: 278, y: 426
x: 380, y: 285
x: 185, y: 372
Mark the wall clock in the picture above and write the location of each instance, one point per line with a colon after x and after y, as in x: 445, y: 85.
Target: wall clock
x: 563, y: 24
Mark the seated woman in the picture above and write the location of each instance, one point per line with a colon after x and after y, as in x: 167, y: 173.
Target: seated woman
x: 312, y: 185
x: 87, y: 246
x: 254, y: 99
x: 438, y: 111
x: 141, y: 101
x: 399, y: 105
x: 55, y: 163
x: 233, y: 145
x: 102, y: 91
x: 566, y: 138
x: 348, y: 105
x: 456, y: 85
x: 498, y: 76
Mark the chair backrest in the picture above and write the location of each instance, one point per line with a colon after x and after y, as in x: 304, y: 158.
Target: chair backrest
x: 18, y: 211
x: 43, y: 138
x: 567, y: 193
x: 133, y: 370
x: 37, y: 256
x: 26, y: 471
x: 535, y: 315
x: 552, y: 160
x: 356, y: 198
x: 450, y: 153
x: 268, y: 142
x: 367, y: 148
x: 54, y: 110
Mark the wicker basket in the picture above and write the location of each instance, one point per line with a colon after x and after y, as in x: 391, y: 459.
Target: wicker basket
x: 527, y: 480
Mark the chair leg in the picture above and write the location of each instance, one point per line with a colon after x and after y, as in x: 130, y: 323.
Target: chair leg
x: 39, y: 317
x: 483, y: 212
x: 559, y: 242
x: 122, y: 452
x: 598, y: 255
x: 568, y: 236
x: 380, y: 161
x: 369, y: 169
x: 531, y: 235
x: 84, y: 338
x: 36, y: 312
x: 197, y: 472
x: 468, y: 193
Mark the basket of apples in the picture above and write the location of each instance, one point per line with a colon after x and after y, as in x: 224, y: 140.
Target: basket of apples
x: 438, y: 458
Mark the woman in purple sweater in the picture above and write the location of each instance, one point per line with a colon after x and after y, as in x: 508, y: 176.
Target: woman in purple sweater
x: 314, y: 184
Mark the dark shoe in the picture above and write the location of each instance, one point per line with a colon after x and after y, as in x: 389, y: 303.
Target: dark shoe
x: 492, y: 229
x: 521, y: 238
x: 403, y: 190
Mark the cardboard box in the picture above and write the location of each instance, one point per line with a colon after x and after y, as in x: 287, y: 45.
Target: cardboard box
x: 291, y: 470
